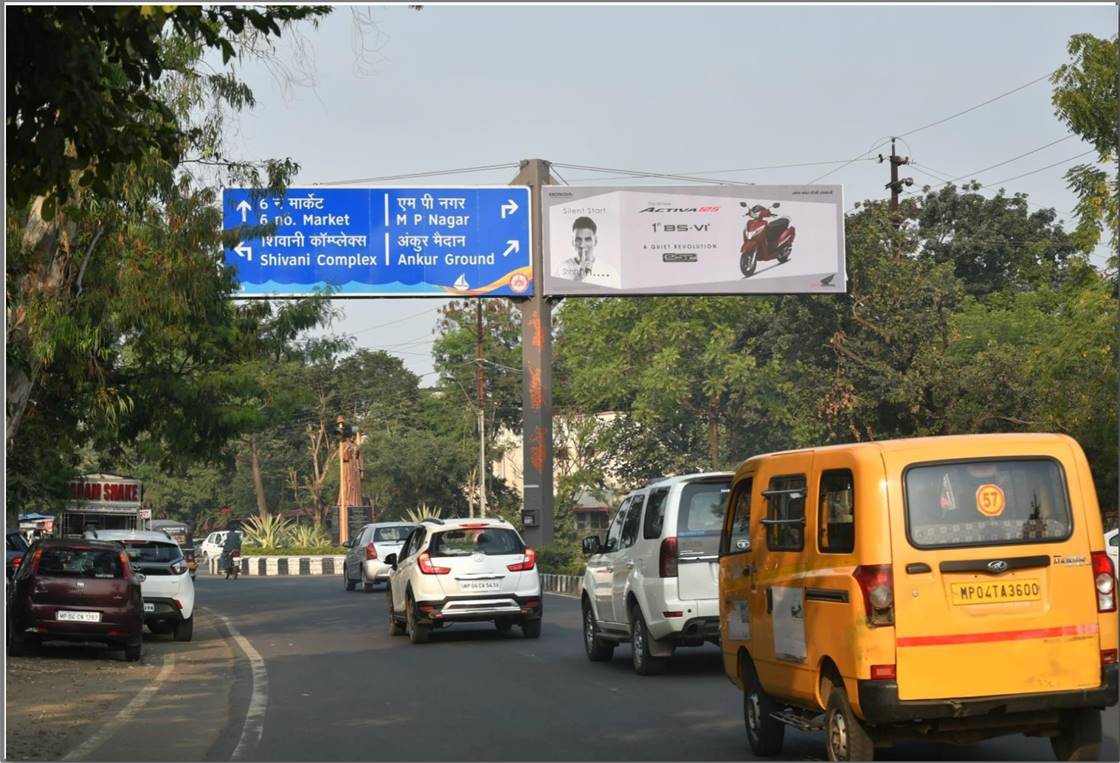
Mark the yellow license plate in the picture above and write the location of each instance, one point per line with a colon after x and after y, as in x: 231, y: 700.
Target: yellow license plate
x: 996, y: 592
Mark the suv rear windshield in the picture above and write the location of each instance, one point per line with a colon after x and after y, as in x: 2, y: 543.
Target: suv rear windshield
x: 491, y: 541
x: 986, y: 503
x: 152, y: 552
x: 391, y: 534
x: 80, y: 563
x: 700, y: 517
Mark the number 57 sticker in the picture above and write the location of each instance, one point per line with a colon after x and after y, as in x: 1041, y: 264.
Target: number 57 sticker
x: 990, y: 500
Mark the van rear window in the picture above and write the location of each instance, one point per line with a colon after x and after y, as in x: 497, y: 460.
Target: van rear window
x: 986, y: 503
x: 700, y: 516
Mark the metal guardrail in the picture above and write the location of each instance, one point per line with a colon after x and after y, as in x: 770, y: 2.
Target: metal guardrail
x: 570, y: 585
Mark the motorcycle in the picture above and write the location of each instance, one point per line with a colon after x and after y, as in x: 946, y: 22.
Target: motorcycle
x: 233, y: 564
x: 765, y: 237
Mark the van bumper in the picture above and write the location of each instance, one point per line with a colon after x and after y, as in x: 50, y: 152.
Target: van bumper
x: 879, y: 702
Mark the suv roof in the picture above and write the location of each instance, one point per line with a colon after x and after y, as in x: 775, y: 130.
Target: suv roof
x: 131, y: 535
x: 670, y: 481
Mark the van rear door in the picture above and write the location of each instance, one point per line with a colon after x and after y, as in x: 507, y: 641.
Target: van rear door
x: 993, y: 589
x: 701, y: 509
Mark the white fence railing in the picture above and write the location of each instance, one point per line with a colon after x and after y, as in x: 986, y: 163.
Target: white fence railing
x: 571, y: 585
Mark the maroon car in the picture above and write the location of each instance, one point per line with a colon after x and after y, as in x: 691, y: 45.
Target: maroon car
x: 77, y: 590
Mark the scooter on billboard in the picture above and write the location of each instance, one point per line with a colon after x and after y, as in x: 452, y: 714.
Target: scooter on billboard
x: 765, y: 237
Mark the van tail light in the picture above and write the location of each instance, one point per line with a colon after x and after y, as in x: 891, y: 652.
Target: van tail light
x: 883, y: 673
x: 667, y: 559
x: 1108, y: 656
x: 424, y: 562
x: 371, y: 552
x: 876, y: 583
x: 527, y: 563
x: 1105, y: 578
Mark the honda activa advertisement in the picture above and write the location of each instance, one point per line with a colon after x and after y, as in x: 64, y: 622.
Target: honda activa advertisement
x: 710, y: 240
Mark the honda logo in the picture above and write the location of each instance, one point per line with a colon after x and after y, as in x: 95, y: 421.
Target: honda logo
x: 997, y: 566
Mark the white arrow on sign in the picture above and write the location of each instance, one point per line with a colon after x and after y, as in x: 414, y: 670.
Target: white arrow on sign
x: 244, y: 251
x: 509, y: 208
x: 244, y: 208
x: 514, y: 246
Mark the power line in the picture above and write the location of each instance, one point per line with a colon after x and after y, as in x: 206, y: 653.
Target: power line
x: 1040, y: 169
x: 1007, y: 161
x: 726, y: 172
x: 398, y: 320
x: 412, y: 175
x: 977, y: 106
x: 633, y: 173
x: 851, y: 161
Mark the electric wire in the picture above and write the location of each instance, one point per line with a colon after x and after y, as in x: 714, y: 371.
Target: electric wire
x: 1040, y: 169
x: 413, y: 175
x: 398, y: 320
x: 977, y: 106
x: 659, y: 175
x: 851, y: 161
x: 1009, y: 161
x: 721, y: 172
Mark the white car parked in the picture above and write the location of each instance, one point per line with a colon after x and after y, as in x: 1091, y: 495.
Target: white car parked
x: 167, y: 587
x: 463, y: 570
x: 211, y: 548
x: 365, y: 559
x: 655, y: 582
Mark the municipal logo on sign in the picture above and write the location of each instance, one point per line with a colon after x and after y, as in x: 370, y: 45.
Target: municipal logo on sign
x: 519, y: 283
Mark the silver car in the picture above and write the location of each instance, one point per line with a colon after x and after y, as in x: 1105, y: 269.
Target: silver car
x: 365, y: 559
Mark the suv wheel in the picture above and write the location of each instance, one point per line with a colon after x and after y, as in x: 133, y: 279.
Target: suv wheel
x: 645, y: 664
x: 764, y: 734
x: 597, y: 649
x: 417, y: 633
x: 395, y: 627
x: 531, y: 628
x: 184, y: 630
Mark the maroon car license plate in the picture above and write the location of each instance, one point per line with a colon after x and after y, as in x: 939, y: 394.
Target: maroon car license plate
x: 81, y: 617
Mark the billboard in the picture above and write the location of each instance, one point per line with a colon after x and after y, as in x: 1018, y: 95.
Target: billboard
x: 759, y: 239
x: 398, y: 242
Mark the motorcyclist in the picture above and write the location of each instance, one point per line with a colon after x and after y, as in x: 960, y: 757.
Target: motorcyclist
x: 231, y: 544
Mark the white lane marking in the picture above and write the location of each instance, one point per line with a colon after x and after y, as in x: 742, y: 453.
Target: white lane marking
x: 126, y: 714
x: 253, y: 729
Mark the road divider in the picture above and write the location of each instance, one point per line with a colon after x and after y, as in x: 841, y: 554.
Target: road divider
x: 567, y: 585
x: 283, y: 565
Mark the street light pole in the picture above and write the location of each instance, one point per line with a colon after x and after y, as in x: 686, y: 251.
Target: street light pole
x: 481, y: 415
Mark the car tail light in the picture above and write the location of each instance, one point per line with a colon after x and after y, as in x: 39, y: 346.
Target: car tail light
x: 178, y: 568
x: 1108, y: 656
x: 126, y: 568
x: 1105, y: 578
x: 474, y: 526
x: 883, y: 672
x: 424, y: 562
x: 876, y: 583
x: 371, y: 552
x: 532, y: 602
x: 528, y: 562
x: 673, y: 613
x: 34, y: 566
x: 16, y: 561
x: 667, y: 559
x: 178, y: 604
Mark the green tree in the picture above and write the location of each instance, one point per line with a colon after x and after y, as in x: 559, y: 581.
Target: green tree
x: 1085, y: 99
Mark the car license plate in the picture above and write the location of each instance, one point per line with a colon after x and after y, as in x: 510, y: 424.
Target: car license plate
x: 1000, y: 592
x: 80, y: 617
x: 480, y: 585
x: 149, y: 607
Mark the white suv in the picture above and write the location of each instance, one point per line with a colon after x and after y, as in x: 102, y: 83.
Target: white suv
x: 655, y: 582
x: 463, y: 570
x: 166, y: 586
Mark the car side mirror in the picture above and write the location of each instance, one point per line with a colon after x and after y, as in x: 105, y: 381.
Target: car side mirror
x: 591, y: 545
x: 391, y: 560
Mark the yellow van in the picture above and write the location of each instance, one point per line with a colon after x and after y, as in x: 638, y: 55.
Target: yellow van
x: 943, y: 588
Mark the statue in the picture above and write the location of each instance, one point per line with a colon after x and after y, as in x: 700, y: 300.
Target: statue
x: 351, y: 470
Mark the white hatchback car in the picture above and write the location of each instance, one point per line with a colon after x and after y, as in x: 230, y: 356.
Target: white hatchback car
x: 365, y: 559
x: 655, y: 582
x: 167, y: 587
x: 463, y: 570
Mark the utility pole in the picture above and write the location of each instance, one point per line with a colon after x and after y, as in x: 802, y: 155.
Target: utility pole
x: 895, y: 186
x: 536, y: 376
x: 482, y: 470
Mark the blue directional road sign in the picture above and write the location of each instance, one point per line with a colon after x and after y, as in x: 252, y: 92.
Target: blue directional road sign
x: 415, y: 242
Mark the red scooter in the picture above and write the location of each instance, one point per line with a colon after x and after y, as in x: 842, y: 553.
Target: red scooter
x: 766, y: 237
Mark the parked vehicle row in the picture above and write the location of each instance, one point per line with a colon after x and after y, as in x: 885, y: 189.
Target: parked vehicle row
x: 104, y: 587
x: 952, y: 588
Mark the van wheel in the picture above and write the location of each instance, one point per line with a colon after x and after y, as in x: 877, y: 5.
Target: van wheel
x: 1079, y: 736
x: 184, y: 630
x: 645, y: 664
x: 597, y: 649
x: 845, y: 735
x: 764, y: 734
x: 417, y: 634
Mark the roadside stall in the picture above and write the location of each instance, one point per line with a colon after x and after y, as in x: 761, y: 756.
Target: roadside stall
x: 102, y: 502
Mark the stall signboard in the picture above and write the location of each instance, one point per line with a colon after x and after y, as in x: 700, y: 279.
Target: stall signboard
x: 105, y: 493
x: 757, y: 239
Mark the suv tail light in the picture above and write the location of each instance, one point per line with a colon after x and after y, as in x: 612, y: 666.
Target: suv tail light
x: 528, y: 562
x: 424, y: 562
x: 1105, y: 578
x: 371, y: 552
x: 876, y: 583
x: 667, y: 559
x: 178, y: 568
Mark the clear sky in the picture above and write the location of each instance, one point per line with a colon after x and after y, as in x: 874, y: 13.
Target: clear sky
x: 672, y: 89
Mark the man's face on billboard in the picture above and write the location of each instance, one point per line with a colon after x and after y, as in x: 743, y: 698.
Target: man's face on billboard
x: 583, y: 239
